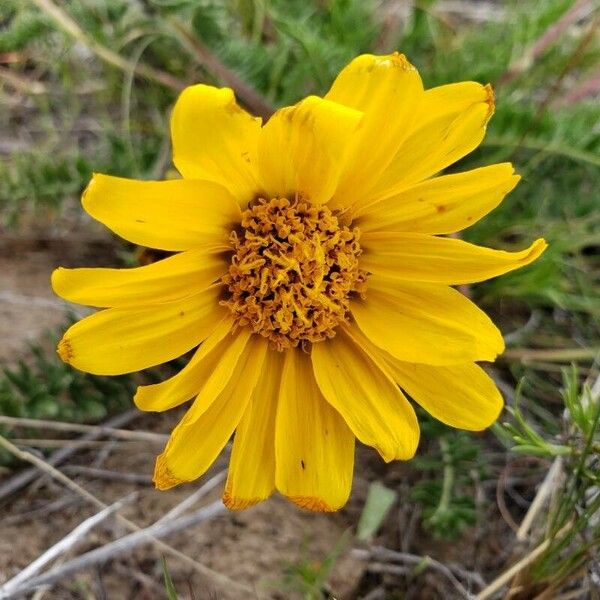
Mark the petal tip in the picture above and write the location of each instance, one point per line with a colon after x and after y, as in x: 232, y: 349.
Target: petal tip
x: 314, y: 504
x: 233, y: 503
x: 65, y: 350
x: 490, y: 101
x: 54, y: 279
x: 163, y: 478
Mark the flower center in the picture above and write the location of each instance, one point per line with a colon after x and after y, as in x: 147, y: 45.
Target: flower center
x: 293, y: 272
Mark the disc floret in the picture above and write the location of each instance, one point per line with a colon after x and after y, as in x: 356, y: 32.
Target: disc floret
x: 293, y: 271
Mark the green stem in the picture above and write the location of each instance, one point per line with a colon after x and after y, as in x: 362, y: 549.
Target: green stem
x: 448, y: 481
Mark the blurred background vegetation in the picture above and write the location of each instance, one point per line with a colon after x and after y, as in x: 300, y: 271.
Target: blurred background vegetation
x: 88, y: 85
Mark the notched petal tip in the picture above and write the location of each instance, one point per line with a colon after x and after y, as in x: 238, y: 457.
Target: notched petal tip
x: 313, y: 504
x: 65, y: 350
x: 233, y: 503
x: 490, y: 101
x: 163, y: 478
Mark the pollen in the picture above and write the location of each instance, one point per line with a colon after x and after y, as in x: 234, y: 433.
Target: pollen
x: 293, y: 272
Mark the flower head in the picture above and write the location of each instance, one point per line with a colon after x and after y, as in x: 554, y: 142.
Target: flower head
x: 311, y: 272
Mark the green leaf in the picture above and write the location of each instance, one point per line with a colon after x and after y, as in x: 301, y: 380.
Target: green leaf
x: 379, y: 502
x: 169, y: 587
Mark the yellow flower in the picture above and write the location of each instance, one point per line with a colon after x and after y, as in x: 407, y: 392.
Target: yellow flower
x: 311, y: 270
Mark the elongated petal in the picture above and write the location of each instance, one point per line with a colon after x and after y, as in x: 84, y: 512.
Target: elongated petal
x: 461, y: 396
x: 206, y: 427
x: 417, y: 257
x: 356, y: 385
x: 214, y: 139
x: 173, y: 278
x: 123, y: 340
x: 207, y: 372
x: 425, y: 323
x: 388, y: 90
x: 251, y: 475
x: 450, y: 124
x: 443, y: 204
x: 314, y: 446
x: 169, y: 215
x: 302, y: 149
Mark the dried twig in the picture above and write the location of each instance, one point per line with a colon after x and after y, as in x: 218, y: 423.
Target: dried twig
x: 579, y: 10
x: 93, y: 473
x: 15, y: 483
x: 379, y: 553
x: 72, y: 485
x: 123, y: 434
x: 60, y: 547
x: 202, y: 491
x: 255, y: 102
x: 77, y: 444
x: 119, y: 547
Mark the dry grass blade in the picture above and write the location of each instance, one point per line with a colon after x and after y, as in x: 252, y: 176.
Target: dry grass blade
x: 506, y: 577
x: 67, y: 24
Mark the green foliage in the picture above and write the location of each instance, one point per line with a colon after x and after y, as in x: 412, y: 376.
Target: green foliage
x: 447, y: 492
x: 169, y: 586
x: 308, y: 577
x: 571, y: 524
x: 378, y: 504
x: 43, y: 387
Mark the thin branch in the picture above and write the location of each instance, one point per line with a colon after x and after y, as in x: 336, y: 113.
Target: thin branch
x: 255, y: 101
x: 77, y: 444
x: 123, y: 434
x: 119, y: 547
x: 91, y: 472
x: 20, y: 480
x: 202, y: 491
x: 72, y: 485
x: 62, y: 546
x: 379, y: 553
x: 579, y: 10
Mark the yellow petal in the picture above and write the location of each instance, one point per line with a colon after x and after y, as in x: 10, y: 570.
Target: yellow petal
x: 461, y: 396
x: 206, y: 427
x: 418, y: 257
x: 168, y: 215
x: 173, y: 278
x: 214, y: 139
x: 251, y: 475
x: 450, y: 124
x: 388, y: 90
x: 123, y: 340
x: 356, y: 385
x: 442, y: 204
x: 425, y: 323
x: 302, y: 148
x: 207, y: 372
x: 314, y: 447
